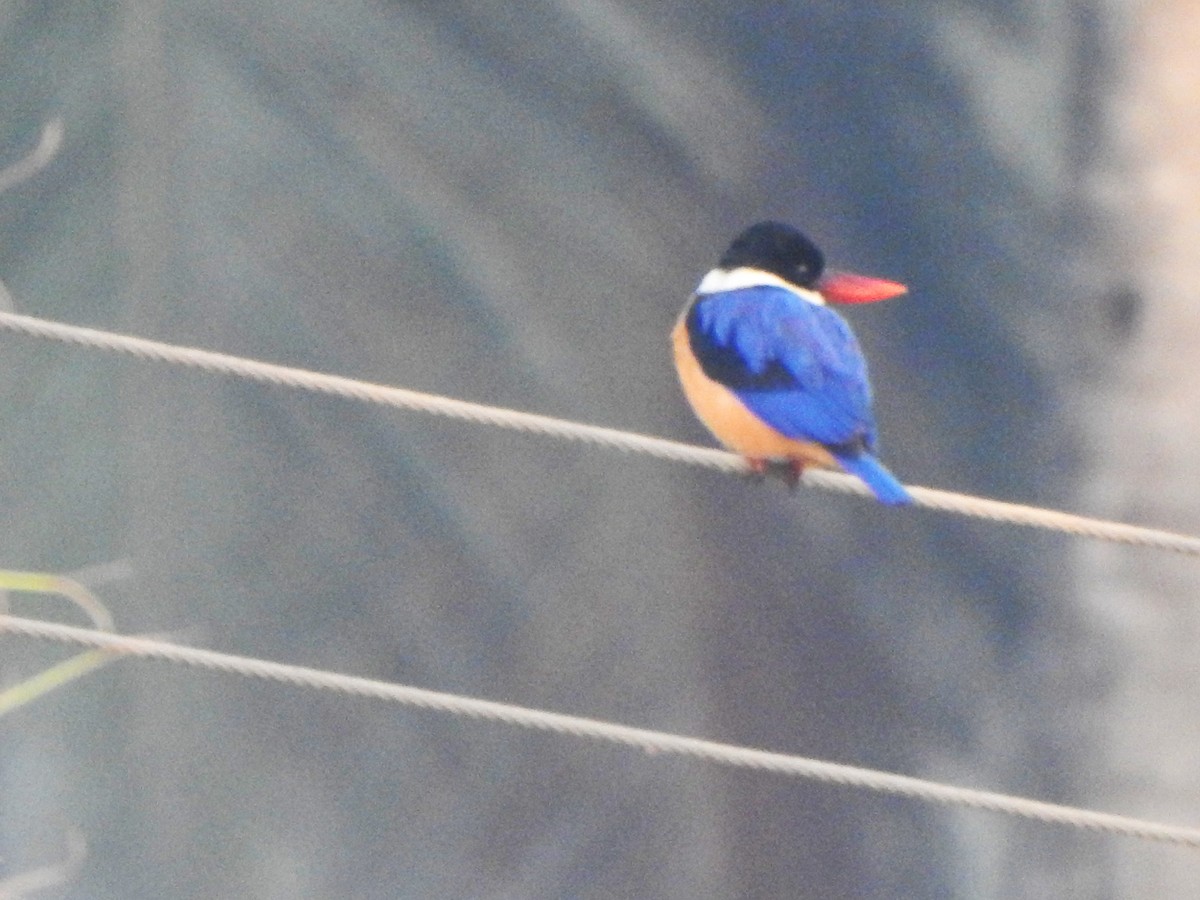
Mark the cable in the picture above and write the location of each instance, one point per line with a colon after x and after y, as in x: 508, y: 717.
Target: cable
x: 401, y: 398
x: 37, y: 159
x: 652, y: 742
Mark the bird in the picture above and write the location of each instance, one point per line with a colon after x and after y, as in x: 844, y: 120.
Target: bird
x: 774, y: 373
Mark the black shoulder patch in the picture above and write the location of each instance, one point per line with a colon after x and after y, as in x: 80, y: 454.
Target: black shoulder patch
x: 725, y: 365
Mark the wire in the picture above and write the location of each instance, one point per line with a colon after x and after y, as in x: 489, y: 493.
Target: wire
x: 14, y: 174
x: 652, y: 742
x: 401, y: 398
x: 63, y: 872
x: 36, y: 686
x: 37, y: 159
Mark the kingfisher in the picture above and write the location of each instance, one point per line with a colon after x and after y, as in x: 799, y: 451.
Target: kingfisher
x: 772, y: 371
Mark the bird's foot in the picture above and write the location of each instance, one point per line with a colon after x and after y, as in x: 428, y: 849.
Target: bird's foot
x: 758, y: 469
x: 790, y: 470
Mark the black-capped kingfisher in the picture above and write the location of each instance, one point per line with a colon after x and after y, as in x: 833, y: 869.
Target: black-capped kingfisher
x: 771, y: 370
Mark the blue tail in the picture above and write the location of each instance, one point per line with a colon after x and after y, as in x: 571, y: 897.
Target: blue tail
x: 883, y: 484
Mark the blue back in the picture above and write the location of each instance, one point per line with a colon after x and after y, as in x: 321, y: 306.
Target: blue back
x: 794, y: 364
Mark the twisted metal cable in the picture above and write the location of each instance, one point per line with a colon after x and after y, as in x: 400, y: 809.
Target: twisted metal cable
x: 720, y: 460
x: 649, y: 741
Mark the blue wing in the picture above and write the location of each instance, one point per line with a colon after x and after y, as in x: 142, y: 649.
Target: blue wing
x: 793, y: 364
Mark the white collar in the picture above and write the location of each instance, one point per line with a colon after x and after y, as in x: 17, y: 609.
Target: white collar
x: 719, y: 280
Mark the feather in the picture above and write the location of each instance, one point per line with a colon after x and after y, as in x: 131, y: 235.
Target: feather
x: 794, y: 364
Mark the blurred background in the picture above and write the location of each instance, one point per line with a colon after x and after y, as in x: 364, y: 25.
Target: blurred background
x: 509, y: 203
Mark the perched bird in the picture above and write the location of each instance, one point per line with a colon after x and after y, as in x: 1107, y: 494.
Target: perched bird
x: 771, y: 370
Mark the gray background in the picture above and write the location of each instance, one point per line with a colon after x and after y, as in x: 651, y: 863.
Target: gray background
x: 509, y: 203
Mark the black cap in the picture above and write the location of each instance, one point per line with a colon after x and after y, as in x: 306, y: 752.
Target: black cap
x: 779, y: 249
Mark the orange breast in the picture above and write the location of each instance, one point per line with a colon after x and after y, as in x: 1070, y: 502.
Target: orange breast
x: 727, y: 417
